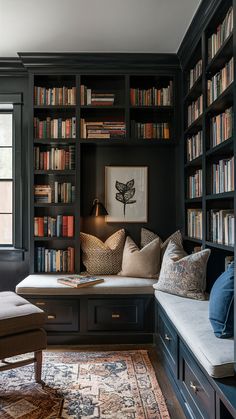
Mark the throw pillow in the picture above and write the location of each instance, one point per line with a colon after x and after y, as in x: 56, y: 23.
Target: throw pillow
x: 144, y: 263
x: 221, y: 304
x: 183, y: 274
x: 101, y: 258
x: 147, y: 236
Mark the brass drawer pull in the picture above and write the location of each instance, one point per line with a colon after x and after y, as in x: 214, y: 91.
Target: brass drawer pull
x: 115, y: 316
x: 51, y: 316
x: 193, y: 387
x: 167, y: 337
x: 40, y: 303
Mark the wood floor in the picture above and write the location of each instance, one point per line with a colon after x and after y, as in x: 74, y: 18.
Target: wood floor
x: 173, y: 405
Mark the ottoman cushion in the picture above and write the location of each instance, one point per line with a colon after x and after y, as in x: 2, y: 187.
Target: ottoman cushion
x: 17, y: 315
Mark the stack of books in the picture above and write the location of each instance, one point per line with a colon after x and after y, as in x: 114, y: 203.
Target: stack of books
x: 55, y: 158
x: 89, y: 97
x: 79, y: 281
x: 194, y: 146
x: 222, y: 127
x: 195, y: 109
x: 56, y: 192
x: 221, y: 226
x: 59, y: 226
x: 52, y: 260
x: 195, y: 185
x: 220, y: 81
x: 194, y: 223
x: 223, y: 176
x: 223, y: 31
x: 152, y: 96
x: 150, y: 130
x: 54, y: 96
x: 195, y: 73
x: 55, y: 128
x: 103, y: 130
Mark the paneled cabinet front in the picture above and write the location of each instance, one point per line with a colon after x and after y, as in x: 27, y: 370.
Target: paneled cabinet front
x: 168, y: 340
x: 115, y: 314
x: 62, y: 315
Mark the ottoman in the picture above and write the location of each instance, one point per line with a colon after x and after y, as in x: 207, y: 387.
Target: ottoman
x: 21, y: 331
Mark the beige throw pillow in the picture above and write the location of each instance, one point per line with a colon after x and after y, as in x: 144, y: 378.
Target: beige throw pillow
x: 144, y: 263
x: 101, y: 258
x: 182, y: 274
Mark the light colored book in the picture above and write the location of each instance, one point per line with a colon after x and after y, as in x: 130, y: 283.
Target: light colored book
x: 78, y: 281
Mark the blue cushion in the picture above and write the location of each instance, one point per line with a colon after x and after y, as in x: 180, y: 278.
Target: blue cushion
x: 221, y: 304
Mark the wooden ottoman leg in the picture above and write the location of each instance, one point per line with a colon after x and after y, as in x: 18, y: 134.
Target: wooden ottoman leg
x: 38, y: 366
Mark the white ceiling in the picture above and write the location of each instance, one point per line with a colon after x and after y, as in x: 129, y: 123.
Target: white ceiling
x: 93, y: 25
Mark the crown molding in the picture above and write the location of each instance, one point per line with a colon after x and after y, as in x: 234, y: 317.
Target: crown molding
x: 12, y: 66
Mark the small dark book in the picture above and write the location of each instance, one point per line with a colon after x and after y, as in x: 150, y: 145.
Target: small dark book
x: 78, y: 281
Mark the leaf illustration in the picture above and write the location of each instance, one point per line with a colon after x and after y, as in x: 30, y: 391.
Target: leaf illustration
x: 130, y: 184
x: 121, y: 187
x: 129, y: 194
x: 126, y: 193
x: 120, y: 197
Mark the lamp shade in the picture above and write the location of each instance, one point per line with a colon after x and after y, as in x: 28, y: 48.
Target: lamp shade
x: 98, y: 209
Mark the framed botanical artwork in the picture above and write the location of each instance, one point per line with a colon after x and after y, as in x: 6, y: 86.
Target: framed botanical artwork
x: 126, y: 194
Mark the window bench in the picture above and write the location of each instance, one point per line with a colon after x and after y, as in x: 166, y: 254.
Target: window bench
x: 118, y: 310
x: 195, y: 360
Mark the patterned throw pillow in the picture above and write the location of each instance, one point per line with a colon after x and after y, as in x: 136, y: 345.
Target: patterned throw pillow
x: 182, y: 274
x: 101, y: 258
x: 144, y: 263
x: 147, y: 236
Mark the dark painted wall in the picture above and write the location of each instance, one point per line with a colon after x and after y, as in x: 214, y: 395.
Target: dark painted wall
x: 13, y: 272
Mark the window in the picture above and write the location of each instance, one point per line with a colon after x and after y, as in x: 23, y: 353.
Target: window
x: 10, y: 172
x: 6, y: 176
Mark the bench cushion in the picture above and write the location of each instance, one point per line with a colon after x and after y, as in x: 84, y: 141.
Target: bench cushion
x: 18, y: 315
x: 113, y: 284
x: 190, y: 318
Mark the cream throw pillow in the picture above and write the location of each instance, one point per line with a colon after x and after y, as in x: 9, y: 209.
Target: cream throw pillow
x: 182, y: 274
x: 144, y: 263
x: 102, y: 258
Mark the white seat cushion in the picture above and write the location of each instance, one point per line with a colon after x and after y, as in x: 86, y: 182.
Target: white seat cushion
x: 190, y: 318
x: 113, y: 284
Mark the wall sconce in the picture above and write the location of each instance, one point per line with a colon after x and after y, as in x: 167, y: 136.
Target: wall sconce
x: 98, y: 209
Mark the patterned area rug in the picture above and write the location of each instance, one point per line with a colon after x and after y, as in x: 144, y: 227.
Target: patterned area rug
x: 85, y: 385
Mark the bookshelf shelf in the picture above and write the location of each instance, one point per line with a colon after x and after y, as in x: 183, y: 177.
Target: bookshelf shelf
x: 221, y: 148
x: 223, y: 101
x: 49, y: 239
x: 55, y: 172
x: 222, y: 55
x: 195, y: 90
x: 54, y: 205
x: 55, y: 107
x: 192, y: 239
x: 55, y: 141
x: 105, y: 107
x: 224, y: 195
x: 153, y: 108
x: 193, y: 200
x: 195, y: 126
x: 220, y: 246
x: 194, y: 163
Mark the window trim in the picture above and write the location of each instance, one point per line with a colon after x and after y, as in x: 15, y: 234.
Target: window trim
x: 15, y: 252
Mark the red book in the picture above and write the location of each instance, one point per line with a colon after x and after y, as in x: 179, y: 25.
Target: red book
x: 65, y: 226
x: 70, y: 231
x: 40, y: 227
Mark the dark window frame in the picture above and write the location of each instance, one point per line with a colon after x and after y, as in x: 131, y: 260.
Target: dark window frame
x: 15, y: 252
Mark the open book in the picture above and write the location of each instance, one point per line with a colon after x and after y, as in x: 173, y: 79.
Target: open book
x: 78, y: 281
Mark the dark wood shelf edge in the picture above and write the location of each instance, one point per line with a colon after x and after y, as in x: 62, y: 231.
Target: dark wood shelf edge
x: 220, y: 246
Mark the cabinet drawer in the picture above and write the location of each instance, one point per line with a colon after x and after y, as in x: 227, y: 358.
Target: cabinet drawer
x: 62, y: 315
x: 196, y: 389
x: 168, y: 340
x: 115, y: 314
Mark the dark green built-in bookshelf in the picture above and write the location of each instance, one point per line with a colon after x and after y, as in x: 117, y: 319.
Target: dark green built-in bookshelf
x: 209, y: 201
x: 123, y: 110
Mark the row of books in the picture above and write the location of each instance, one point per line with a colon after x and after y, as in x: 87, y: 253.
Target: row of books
x: 223, y: 30
x: 54, y: 95
x: 90, y: 97
x: 194, y: 185
x: 99, y: 129
x: 149, y: 130
x: 52, y: 260
x: 222, y: 127
x: 195, y: 73
x: 194, y: 223
x: 152, y: 96
x: 55, y: 128
x: 220, y: 81
x: 221, y: 226
x: 195, y: 109
x: 54, y: 193
x: 55, y: 158
x: 59, y: 226
x: 194, y: 146
x: 223, y: 176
